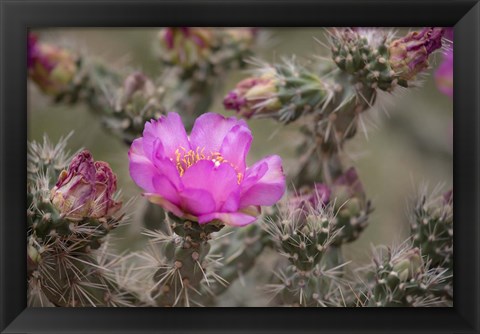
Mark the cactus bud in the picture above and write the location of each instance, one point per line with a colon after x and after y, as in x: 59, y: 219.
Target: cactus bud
x: 409, y: 54
x: 352, y: 206
x: 86, y: 189
x: 348, y: 192
x: 75, y: 188
x: 320, y: 195
x: 136, y: 84
x: 254, y: 95
x: 50, y: 67
x: 185, y: 46
x: 408, y: 265
x: 105, y: 187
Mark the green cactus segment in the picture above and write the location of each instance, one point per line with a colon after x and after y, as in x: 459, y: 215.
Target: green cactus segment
x: 239, y: 250
x: 432, y: 229
x: 365, y: 56
x: 178, y: 281
x: 403, y: 278
x: 351, y: 219
x: 314, y: 288
x: 300, y: 91
x: 303, y: 236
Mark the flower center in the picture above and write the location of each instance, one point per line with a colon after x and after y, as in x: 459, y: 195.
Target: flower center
x: 185, y: 159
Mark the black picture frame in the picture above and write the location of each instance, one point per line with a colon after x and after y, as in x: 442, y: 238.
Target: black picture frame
x: 16, y: 16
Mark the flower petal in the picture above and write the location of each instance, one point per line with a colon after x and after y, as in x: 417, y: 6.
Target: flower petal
x: 165, y: 165
x: 142, y: 170
x: 263, y: 187
x: 219, y: 181
x: 236, y: 145
x: 232, y: 219
x: 171, y: 133
x: 210, y: 130
x: 166, y: 189
x: 197, y: 201
x: 168, y: 206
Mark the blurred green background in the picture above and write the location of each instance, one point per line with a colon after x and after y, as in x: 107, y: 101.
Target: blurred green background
x: 409, y: 133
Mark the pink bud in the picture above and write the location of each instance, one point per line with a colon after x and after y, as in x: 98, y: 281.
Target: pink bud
x: 409, y: 55
x: 105, y: 188
x: 75, y: 188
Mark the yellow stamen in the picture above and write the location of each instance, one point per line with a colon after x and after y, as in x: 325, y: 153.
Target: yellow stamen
x: 185, y: 159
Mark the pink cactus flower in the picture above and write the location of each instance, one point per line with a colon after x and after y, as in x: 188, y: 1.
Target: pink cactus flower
x: 204, y: 176
x: 86, y: 189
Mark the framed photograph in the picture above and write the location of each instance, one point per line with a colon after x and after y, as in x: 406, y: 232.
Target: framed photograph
x: 208, y: 166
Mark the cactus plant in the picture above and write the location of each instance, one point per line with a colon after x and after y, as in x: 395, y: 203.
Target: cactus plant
x: 205, y: 226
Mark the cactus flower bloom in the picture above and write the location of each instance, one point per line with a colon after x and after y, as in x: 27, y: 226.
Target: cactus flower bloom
x: 253, y: 96
x: 50, y: 67
x: 86, y: 189
x: 409, y: 54
x: 204, y: 177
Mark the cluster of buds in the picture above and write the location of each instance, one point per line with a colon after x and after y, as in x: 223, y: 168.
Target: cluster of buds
x: 197, y: 61
x: 402, y: 276
x: 376, y: 59
x: 202, y: 47
x: 432, y: 228
x: 52, y: 68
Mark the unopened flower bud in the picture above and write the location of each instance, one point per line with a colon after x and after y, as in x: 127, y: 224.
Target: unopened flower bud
x: 409, y: 54
x: 136, y: 84
x: 348, y: 192
x: 50, y: 67
x: 185, y: 46
x: 408, y: 265
x: 86, y: 189
x: 105, y: 188
x: 254, y: 95
x: 74, y: 191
